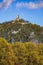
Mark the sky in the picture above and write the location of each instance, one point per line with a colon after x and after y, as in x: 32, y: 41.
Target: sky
x: 30, y: 10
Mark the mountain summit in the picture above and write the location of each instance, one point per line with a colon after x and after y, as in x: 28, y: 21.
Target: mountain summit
x: 19, y: 20
x: 21, y: 30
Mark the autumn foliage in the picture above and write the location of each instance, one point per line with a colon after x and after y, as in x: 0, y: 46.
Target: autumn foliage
x: 18, y: 53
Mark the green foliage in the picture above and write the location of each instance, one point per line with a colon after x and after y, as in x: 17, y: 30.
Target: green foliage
x: 6, y: 28
x: 7, y: 56
x: 28, y: 53
x: 17, y: 53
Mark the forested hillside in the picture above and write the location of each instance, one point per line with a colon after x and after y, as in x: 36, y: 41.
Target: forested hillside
x: 22, y: 31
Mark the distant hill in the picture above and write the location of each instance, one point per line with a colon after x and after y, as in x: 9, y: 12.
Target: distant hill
x: 21, y: 30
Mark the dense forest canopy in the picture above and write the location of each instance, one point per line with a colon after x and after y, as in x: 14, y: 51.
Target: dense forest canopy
x: 18, y: 53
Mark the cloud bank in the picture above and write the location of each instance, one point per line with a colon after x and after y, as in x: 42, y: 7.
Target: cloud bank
x: 5, y: 3
x: 31, y: 5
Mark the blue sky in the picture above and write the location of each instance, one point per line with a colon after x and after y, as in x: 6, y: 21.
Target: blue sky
x: 30, y: 10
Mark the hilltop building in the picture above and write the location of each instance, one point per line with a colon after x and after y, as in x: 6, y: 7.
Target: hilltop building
x: 17, y: 18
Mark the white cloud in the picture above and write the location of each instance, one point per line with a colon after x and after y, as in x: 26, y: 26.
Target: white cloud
x: 30, y: 5
x: 6, y: 3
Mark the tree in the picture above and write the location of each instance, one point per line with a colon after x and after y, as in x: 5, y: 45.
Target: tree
x: 7, y: 56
